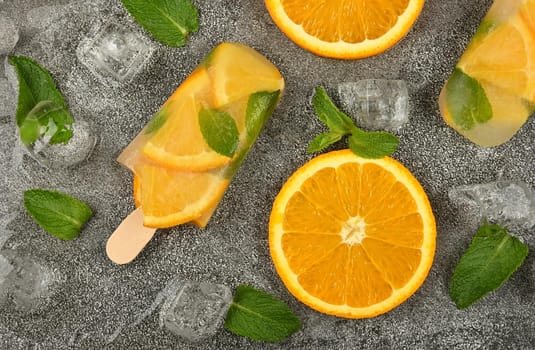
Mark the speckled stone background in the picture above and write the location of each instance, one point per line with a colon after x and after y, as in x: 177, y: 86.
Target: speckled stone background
x: 100, y: 305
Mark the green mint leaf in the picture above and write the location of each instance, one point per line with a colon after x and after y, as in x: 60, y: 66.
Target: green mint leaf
x: 260, y: 316
x: 157, y: 121
x: 467, y: 101
x: 337, y: 121
x: 219, y: 131
x: 372, y: 144
x: 57, y: 213
x: 169, y: 21
x: 260, y: 106
x: 489, y: 261
x: 322, y: 141
x: 41, y: 109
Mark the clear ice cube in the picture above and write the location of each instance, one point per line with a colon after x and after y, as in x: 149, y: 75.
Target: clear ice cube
x: 116, y: 53
x: 78, y: 149
x: 509, y: 203
x: 195, y: 311
x: 8, y: 101
x: 376, y: 104
x: 28, y: 283
x: 9, y: 35
x: 12, y: 78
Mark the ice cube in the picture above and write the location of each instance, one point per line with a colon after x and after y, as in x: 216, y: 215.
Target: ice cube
x: 376, y: 104
x: 8, y: 102
x: 509, y: 203
x: 9, y: 35
x: 116, y: 53
x: 29, y: 283
x: 76, y: 150
x: 196, y: 311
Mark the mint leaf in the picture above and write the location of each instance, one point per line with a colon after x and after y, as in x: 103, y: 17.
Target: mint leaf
x: 169, y: 21
x: 41, y: 109
x: 260, y: 316
x: 489, y: 261
x: 260, y: 106
x: 337, y: 121
x: 372, y: 144
x: 219, y: 131
x: 322, y: 141
x: 57, y: 213
x: 467, y: 101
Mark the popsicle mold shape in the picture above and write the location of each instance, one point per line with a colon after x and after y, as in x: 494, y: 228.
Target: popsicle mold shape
x: 491, y: 92
x: 185, y: 157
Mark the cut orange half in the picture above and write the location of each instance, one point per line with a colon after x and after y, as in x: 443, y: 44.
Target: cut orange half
x: 345, y: 29
x: 352, y: 237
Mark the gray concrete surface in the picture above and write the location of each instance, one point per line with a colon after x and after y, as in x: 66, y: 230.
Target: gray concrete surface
x: 100, y: 301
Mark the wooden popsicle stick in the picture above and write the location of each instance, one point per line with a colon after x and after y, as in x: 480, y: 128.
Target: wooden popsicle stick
x: 129, y: 238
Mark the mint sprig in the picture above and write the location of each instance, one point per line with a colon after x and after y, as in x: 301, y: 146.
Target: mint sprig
x: 487, y: 264
x: 41, y: 109
x: 57, y: 213
x: 367, y: 144
x: 169, y: 21
x: 260, y: 316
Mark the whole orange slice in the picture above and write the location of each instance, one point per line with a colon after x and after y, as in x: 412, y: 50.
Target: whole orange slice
x: 346, y: 29
x: 352, y: 237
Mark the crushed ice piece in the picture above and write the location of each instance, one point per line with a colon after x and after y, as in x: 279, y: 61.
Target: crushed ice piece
x: 509, y: 203
x: 29, y: 284
x: 42, y: 17
x: 116, y: 51
x: 8, y: 100
x: 376, y: 104
x: 9, y: 35
x: 196, y: 311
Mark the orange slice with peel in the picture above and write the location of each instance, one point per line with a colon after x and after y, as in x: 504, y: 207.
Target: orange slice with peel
x: 345, y: 29
x: 178, y: 143
x: 173, y: 197
x: 200, y: 221
x: 236, y: 71
x: 352, y: 237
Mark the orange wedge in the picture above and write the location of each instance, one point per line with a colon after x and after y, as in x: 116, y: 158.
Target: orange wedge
x: 166, y: 202
x: 200, y: 221
x: 236, y: 71
x: 352, y: 237
x: 345, y: 29
x: 180, y: 143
